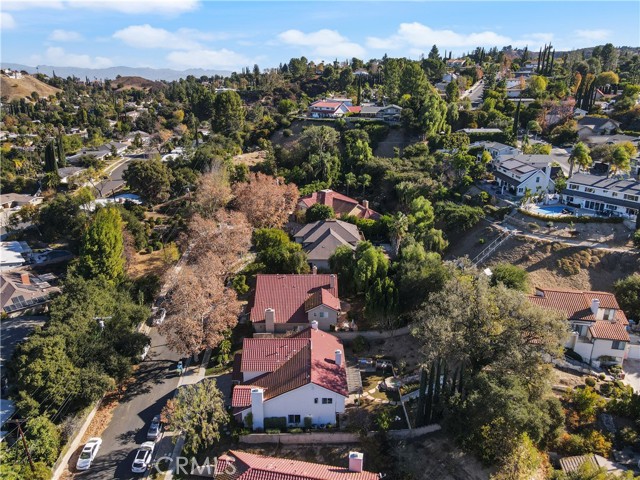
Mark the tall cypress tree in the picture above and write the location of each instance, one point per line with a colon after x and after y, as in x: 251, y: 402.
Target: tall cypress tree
x: 62, y: 159
x: 50, y: 164
x: 516, y: 120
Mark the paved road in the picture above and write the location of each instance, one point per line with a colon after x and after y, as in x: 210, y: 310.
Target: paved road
x: 154, y: 385
x: 15, y: 330
x: 477, y: 90
x: 115, y: 181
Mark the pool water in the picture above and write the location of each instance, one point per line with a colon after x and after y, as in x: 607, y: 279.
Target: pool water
x: 552, y: 210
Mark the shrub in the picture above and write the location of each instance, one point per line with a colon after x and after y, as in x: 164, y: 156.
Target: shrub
x: 272, y: 431
x: 511, y: 276
x: 605, y: 389
x: 239, y: 284
x: 636, y: 239
x: 571, y: 219
x: 287, y: 132
x: 602, y: 377
x: 359, y: 344
x: 275, y: 423
x: 481, y: 241
x: 307, y: 422
x: 295, y: 430
x: 590, y: 381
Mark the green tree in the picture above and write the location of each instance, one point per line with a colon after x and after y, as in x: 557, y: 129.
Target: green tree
x: 342, y: 263
x: 537, y: 85
x: 277, y: 253
x: 350, y: 180
x: 381, y: 302
x: 620, y: 160
x: 150, y: 178
x: 318, y: 211
x: 197, y: 411
x: 452, y: 92
x: 421, y: 217
x: 44, y: 440
x: 287, y: 107
x: 581, y: 156
x: 364, y: 180
x: 103, y: 247
x: 511, y: 276
x: 370, y: 264
x: 228, y: 113
x: 50, y: 164
x: 458, y: 218
x: 63, y: 217
x: 62, y: 158
x: 627, y: 292
x: 522, y: 463
x: 418, y: 273
x: 357, y: 149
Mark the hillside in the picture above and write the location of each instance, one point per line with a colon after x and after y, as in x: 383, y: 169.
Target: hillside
x: 16, y: 88
x: 135, y: 83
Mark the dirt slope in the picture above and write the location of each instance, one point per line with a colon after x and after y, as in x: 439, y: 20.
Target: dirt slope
x: 13, y: 88
x: 135, y: 83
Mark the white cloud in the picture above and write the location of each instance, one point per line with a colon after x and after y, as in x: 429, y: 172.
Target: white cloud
x: 420, y: 36
x: 57, y: 56
x: 324, y: 43
x: 65, y: 36
x: 124, y: 6
x: 146, y: 36
x: 222, y: 59
x: 597, y: 34
x: 7, y: 21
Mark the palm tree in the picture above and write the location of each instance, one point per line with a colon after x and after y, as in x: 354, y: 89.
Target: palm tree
x: 365, y: 181
x: 350, y: 180
x: 580, y: 155
x: 398, y: 228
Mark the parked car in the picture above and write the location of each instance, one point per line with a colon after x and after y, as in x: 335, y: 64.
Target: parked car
x: 145, y: 351
x: 159, y: 316
x: 180, y: 367
x: 89, y: 452
x: 154, y: 429
x: 142, y: 461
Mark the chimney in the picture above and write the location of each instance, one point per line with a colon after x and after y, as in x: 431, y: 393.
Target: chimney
x: 314, y: 270
x: 595, y: 305
x: 24, y: 278
x: 314, y: 325
x: 365, y: 204
x: 269, y: 320
x: 356, y: 462
x: 332, y: 281
x: 257, y: 407
x: 338, y: 357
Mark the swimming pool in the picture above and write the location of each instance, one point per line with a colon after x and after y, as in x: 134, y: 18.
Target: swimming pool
x: 552, y: 210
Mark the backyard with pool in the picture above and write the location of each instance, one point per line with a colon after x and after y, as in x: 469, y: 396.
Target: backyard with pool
x: 551, y: 210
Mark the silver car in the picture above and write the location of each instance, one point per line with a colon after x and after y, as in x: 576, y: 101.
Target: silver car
x: 155, y: 429
x: 89, y: 452
x: 142, y: 461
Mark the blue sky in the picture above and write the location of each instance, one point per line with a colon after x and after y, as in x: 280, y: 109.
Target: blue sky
x: 229, y: 35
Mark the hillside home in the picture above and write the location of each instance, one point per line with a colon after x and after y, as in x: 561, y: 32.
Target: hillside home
x: 248, y: 466
x: 14, y: 254
x: 598, y: 325
x: 67, y: 174
x: 389, y: 113
x: 341, y: 204
x: 23, y: 292
x: 283, y: 303
x: 496, y: 149
x: 321, y: 239
x: 9, y: 201
x: 516, y: 174
x: 292, y: 381
x: 607, y: 195
x: 480, y: 131
x: 589, y: 126
x: 332, y: 108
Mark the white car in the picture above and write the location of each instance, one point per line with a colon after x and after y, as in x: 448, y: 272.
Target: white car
x: 143, y: 458
x: 159, y: 316
x: 89, y: 452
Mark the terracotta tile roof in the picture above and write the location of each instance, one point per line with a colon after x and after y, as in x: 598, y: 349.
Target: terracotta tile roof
x: 355, y: 109
x: 286, y: 294
x: 313, y: 362
x: 258, y: 467
x: 341, y: 204
x: 268, y: 354
x: 606, y: 330
x: 326, y: 104
x: 321, y: 297
x: 576, y: 304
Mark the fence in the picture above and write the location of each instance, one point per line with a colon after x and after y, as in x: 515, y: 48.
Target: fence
x: 330, y: 438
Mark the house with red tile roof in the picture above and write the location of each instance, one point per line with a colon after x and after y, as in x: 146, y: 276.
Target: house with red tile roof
x: 332, y: 108
x: 599, y: 326
x: 341, y: 204
x: 237, y: 465
x: 283, y: 303
x: 301, y: 378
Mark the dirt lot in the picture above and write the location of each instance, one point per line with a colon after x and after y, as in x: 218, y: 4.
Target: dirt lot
x: 404, y: 347
x: 594, y: 269
x: 250, y: 159
x: 147, y: 263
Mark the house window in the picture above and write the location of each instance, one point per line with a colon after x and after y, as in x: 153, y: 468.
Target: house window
x: 323, y: 315
x: 614, y: 194
x: 633, y: 198
x: 573, y: 186
x: 611, y: 207
x: 315, y: 400
x: 537, y: 179
x: 294, y: 419
x: 327, y: 401
x: 580, y: 329
x: 617, y: 345
x: 609, y: 314
x: 589, y: 189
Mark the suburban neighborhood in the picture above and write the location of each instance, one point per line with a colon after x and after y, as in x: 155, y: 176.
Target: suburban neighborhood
x: 292, y: 247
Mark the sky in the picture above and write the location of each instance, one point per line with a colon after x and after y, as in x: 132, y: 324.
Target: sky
x: 183, y: 34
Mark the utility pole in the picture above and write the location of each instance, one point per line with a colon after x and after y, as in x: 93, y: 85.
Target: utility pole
x: 24, y: 443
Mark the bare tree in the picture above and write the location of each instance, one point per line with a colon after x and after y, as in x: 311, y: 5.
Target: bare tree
x: 266, y: 201
x: 200, y: 311
x: 213, y: 192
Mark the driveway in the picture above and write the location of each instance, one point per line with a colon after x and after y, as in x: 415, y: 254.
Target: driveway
x: 632, y: 373
x: 155, y: 383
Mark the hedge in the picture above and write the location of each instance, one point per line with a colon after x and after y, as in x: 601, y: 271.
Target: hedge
x: 571, y: 218
x: 275, y: 423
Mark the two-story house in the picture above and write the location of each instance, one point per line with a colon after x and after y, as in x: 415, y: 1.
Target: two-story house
x: 496, y: 149
x: 341, y: 204
x: 598, y: 325
x: 283, y: 303
x: 296, y: 380
x: 518, y: 174
x: 321, y: 239
x: 604, y: 194
x: 389, y: 113
x: 332, y: 108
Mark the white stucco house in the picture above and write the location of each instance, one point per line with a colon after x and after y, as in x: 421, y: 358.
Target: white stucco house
x: 589, y: 126
x: 600, y: 193
x: 283, y: 303
x: 297, y: 381
x: 496, y: 149
x: 599, y: 327
x: 516, y: 174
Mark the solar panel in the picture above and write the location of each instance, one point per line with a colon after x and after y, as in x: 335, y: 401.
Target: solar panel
x: 19, y: 298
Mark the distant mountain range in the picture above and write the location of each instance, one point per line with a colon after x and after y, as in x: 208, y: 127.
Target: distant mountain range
x: 112, y: 72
